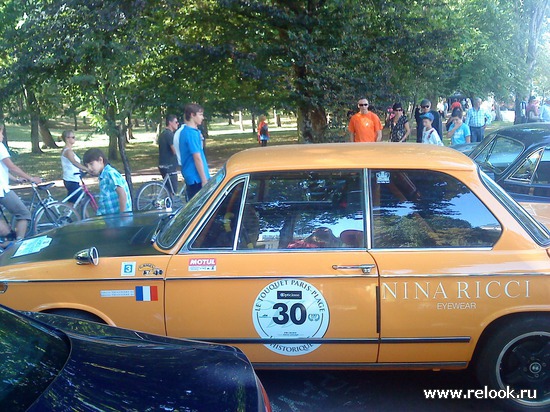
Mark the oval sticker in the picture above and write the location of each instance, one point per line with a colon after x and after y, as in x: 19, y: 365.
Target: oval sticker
x: 291, y: 309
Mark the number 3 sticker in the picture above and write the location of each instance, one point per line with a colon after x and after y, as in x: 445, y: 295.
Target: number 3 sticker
x: 291, y: 309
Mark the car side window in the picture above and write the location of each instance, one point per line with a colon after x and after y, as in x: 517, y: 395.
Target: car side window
x: 542, y: 173
x: 303, y: 210
x: 427, y: 209
x: 527, y: 169
x: 219, y: 231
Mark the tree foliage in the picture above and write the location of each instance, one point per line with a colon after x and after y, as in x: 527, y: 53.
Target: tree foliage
x: 312, y: 57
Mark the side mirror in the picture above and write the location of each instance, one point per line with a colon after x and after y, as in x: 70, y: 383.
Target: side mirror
x: 168, y: 204
x: 87, y: 256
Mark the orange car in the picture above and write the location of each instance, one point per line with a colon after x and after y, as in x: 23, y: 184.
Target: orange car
x: 320, y: 256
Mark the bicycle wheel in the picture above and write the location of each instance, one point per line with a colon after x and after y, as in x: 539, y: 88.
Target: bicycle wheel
x: 88, y: 208
x: 54, y: 215
x: 151, y: 196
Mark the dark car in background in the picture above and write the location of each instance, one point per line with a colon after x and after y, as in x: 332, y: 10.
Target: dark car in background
x: 518, y: 158
x: 56, y: 363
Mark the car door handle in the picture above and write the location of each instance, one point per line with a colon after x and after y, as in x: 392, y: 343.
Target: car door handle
x: 366, y: 268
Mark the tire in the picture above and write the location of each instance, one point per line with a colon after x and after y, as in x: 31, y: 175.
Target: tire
x: 88, y: 211
x: 57, y: 214
x: 517, y: 356
x: 151, y: 196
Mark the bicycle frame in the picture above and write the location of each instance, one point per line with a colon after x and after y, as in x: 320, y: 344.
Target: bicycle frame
x: 84, y: 191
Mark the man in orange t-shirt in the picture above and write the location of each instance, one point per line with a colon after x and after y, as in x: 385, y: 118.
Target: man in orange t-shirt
x: 365, y: 126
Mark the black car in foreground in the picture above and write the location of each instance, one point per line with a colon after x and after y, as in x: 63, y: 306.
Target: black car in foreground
x: 55, y: 363
x: 518, y: 158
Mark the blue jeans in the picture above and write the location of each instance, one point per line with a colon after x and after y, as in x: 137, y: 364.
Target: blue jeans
x: 477, y: 134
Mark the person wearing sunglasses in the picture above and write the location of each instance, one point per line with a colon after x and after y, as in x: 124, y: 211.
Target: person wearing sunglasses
x: 365, y: 126
x: 425, y: 107
x: 399, y: 125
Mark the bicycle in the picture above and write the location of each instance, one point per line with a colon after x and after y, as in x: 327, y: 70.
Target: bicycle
x: 86, y: 201
x: 48, y: 213
x: 153, y: 194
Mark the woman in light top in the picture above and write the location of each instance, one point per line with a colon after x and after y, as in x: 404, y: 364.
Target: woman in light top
x: 71, y: 165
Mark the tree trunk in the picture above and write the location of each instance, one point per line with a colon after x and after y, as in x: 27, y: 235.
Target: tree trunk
x: 498, y: 114
x: 47, y: 138
x: 2, y: 122
x: 75, y: 121
x: 35, y: 133
x: 537, y: 11
x: 241, y: 124
x: 130, y: 130
x: 122, y: 132
x: 312, y: 124
x: 112, y: 131
x: 253, y: 124
x: 34, y: 113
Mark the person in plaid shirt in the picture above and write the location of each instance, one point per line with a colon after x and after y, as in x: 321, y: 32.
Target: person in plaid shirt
x: 114, y: 194
x: 477, y: 120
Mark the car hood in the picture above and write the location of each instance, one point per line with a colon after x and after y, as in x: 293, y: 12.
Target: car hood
x: 127, y: 234
x: 117, y: 369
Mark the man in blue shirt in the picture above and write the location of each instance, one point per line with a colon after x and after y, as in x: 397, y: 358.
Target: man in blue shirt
x: 194, y: 167
x: 477, y: 120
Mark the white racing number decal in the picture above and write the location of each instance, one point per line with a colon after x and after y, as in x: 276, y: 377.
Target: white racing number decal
x: 291, y: 309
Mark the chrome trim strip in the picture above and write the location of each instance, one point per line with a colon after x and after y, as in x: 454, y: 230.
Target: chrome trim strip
x: 332, y: 276
x: 360, y: 365
x: 436, y: 249
x: 210, y: 277
x: 135, y: 280
x: 463, y: 275
x: 335, y: 341
x: 159, y: 278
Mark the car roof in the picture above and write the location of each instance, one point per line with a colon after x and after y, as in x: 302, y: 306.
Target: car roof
x: 529, y: 133
x: 349, y: 156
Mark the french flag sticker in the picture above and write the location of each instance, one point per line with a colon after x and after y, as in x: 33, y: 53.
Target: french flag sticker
x: 146, y: 293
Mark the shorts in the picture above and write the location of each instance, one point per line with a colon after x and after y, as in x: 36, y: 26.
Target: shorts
x: 15, y: 205
x: 71, y: 188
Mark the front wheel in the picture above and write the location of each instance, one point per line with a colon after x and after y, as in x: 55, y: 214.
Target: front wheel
x: 151, y: 196
x: 516, y: 360
x: 54, y: 215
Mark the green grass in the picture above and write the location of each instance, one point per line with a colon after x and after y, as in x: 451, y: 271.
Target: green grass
x: 143, y: 152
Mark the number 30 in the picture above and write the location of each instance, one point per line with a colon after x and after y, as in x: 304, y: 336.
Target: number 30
x: 298, y: 314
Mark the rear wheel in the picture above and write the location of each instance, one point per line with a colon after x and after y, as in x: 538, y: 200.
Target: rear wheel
x: 517, y: 357
x: 54, y: 215
x: 88, y: 208
x: 151, y: 196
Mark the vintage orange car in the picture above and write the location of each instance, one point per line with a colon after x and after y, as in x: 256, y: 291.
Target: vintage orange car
x: 320, y: 256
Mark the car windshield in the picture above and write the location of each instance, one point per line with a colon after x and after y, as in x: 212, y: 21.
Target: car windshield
x: 537, y: 231
x: 498, y: 154
x: 32, y: 357
x: 177, y: 225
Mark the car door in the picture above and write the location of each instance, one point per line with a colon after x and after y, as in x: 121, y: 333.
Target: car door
x: 530, y: 181
x: 447, y: 266
x: 279, y: 267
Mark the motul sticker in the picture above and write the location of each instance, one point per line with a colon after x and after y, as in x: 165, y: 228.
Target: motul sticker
x: 202, y: 265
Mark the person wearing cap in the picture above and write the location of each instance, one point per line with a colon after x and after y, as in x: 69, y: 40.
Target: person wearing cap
x: 365, y: 126
x: 477, y: 119
x: 429, y: 133
x: 399, y: 125
x: 545, y: 111
x: 425, y: 107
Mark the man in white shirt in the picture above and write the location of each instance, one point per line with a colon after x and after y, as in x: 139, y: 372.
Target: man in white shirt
x: 8, y: 198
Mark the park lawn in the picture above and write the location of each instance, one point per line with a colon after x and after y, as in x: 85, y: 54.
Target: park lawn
x: 142, y: 151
